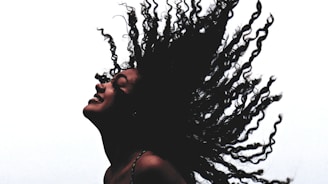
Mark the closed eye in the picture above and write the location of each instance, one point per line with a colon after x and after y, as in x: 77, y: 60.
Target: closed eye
x: 119, y: 81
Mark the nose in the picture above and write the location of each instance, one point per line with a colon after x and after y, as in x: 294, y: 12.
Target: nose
x: 100, y: 88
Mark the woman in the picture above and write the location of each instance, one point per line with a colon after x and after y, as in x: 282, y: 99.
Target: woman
x: 107, y: 110
x: 183, y: 105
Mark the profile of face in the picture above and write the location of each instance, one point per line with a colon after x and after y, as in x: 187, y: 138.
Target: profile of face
x: 108, y: 95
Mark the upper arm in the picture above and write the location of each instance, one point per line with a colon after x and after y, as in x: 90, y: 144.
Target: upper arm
x: 152, y: 169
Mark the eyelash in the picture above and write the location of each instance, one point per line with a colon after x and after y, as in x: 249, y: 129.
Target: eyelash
x: 116, y: 86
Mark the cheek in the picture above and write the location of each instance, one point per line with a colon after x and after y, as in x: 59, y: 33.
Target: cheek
x: 106, y: 104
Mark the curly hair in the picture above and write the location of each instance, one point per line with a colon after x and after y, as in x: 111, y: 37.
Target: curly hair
x: 205, y: 96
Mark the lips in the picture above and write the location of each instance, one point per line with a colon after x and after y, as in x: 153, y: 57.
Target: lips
x: 96, y: 99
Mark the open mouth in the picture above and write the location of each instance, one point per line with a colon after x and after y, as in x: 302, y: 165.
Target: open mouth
x: 96, y: 99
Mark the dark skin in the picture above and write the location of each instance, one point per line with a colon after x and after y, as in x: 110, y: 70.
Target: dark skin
x: 105, y: 113
x: 150, y: 168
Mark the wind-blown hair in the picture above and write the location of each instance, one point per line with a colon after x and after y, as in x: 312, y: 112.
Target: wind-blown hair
x: 196, y: 101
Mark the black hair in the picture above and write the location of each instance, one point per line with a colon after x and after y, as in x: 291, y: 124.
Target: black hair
x: 197, y: 92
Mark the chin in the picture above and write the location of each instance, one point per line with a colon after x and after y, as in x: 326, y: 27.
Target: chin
x: 90, y: 110
x: 92, y: 117
x: 88, y: 113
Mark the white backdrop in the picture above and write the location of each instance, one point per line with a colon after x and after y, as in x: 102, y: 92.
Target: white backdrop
x: 50, y: 51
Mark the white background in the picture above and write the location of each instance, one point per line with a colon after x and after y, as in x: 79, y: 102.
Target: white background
x: 50, y: 51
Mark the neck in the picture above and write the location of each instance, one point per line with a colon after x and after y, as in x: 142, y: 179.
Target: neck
x: 119, y: 147
x: 119, y: 137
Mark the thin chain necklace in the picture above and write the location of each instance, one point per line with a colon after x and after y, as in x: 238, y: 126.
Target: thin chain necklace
x: 134, y: 166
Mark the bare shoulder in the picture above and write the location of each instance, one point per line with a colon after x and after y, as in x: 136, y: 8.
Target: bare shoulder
x: 152, y: 161
x: 151, y: 168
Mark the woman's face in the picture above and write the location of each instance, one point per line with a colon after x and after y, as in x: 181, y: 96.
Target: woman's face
x: 103, y: 100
